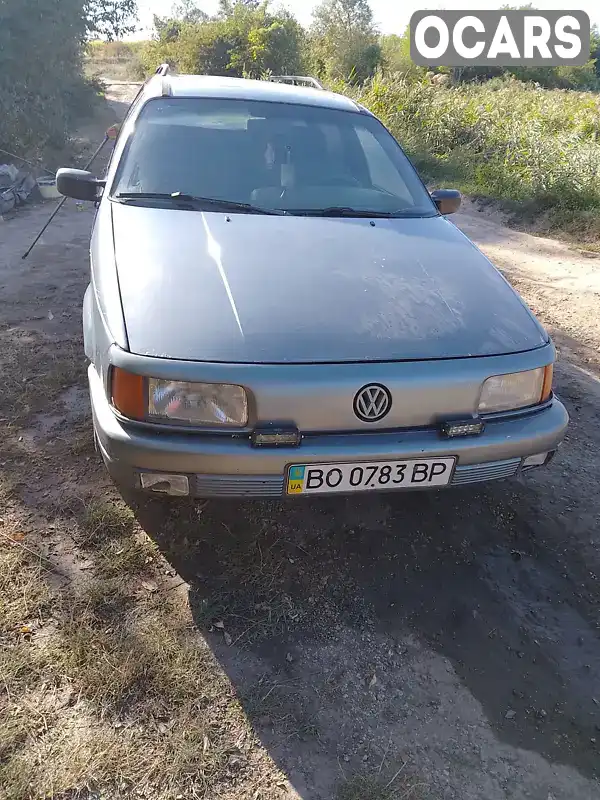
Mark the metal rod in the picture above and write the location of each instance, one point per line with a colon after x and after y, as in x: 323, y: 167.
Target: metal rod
x: 43, y: 231
x: 25, y: 161
x: 63, y: 201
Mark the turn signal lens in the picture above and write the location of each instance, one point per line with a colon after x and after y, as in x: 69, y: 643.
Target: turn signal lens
x: 128, y: 395
x: 548, y: 379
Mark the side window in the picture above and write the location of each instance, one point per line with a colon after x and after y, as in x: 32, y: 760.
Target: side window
x: 384, y: 173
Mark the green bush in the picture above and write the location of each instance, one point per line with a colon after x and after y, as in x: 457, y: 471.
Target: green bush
x: 248, y: 42
x: 41, y: 88
x: 514, y: 142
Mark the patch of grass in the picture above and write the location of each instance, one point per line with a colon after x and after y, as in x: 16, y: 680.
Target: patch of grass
x: 245, y: 577
x: 111, y: 534
x: 36, y: 372
x: 81, y: 443
x: 115, y: 695
x: 24, y: 605
x: 280, y: 705
x: 104, y: 521
x: 108, y: 600
x: 131, y: 554
x: 149, y: 659
x: 23, y: 594
x: 119, y: 61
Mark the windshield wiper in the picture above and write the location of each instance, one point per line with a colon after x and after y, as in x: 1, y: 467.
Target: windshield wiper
x: 343, y: 211
x: 181, y: 200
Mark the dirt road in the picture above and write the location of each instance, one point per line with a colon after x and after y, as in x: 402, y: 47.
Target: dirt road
x: 453, y: 637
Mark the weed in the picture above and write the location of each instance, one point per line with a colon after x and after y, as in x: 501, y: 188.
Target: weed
x: 114, y: 695
x: 120, y: 61
x: 128, y: 555
x: 534, y: 149
x: 105, y: 521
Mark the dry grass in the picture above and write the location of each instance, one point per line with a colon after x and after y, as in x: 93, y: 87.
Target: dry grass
x: 119, y: 61
x: 105, y: 520
x: 109, y: 531
x: 105, y: 684
x: 107, y: 691
x: 35, y: 374
x: 23, y: 593
x: 81, y: 442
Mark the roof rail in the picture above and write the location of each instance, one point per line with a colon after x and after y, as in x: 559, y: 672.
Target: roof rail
x: 164, y: 71
x: 297, y: 80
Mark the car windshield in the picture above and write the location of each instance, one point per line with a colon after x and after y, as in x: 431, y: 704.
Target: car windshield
x: 298, y: 159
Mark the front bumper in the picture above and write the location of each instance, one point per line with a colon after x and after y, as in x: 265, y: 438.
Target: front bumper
x: 222, y: 466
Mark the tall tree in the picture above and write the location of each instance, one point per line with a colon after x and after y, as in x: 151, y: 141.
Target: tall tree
x: 227, y: 7
x: 338, y: 17
x: 345, y: 41
x: 265, y: 41
x: 188, y: 11
x: 110, y: 19
x: 183, y: 12
x: 41, y: 86
x: 247, y: 41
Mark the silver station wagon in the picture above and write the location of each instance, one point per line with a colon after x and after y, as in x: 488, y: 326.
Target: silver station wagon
x: 278, y: 306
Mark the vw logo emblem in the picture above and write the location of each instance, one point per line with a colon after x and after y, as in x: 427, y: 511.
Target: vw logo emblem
x: 372, y: 403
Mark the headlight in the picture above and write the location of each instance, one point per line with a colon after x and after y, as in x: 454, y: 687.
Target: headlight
x: 517, y: 390
x: 155, y: 399
x: 197, y: 403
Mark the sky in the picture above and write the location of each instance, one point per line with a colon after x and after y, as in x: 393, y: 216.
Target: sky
x: 391, y: 16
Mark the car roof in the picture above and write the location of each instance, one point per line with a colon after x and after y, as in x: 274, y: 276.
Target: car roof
x: 243, y: 89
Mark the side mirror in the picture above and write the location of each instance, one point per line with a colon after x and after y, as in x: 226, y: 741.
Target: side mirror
x: 447, y: 200
x: 78, y: 184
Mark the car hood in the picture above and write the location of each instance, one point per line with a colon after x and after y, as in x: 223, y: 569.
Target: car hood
x: 272, y: 289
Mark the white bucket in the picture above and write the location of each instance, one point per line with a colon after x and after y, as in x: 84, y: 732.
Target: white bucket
x: 48, y: 190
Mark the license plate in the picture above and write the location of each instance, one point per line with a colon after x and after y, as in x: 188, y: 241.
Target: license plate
x: 368, y: 477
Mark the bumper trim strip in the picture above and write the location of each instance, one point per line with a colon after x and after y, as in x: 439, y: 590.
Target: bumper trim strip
x: 273, y: 485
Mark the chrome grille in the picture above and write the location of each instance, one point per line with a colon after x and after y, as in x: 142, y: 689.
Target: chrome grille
x: 239, y: 485
x: 476, y: 473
